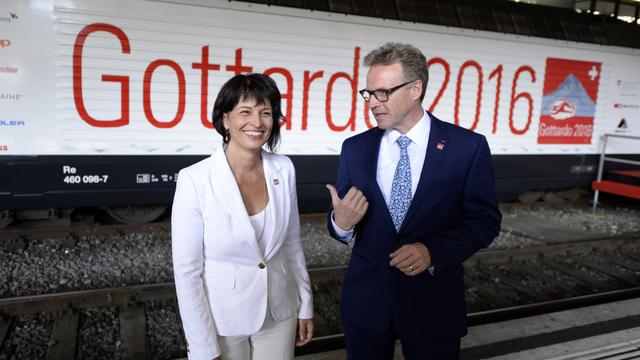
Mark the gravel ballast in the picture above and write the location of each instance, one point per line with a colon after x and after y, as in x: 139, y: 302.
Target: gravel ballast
x: 51, y: 265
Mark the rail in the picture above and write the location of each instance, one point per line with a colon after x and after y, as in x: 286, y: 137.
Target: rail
x: 604, y: 158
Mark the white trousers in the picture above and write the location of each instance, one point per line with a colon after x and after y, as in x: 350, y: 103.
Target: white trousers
x: 274, y: 342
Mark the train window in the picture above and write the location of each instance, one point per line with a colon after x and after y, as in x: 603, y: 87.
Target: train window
x: 584, y: 32
x: 386, y: 9
x: 363, y: 7
x: 486, y: 19
x: 427, y: 12
x: 569, y: 30
x: 321, y: 5
x: 448, y: 13
x: 521, y: 24
x: 538, y: 27
x: 553, y: 24
x: 340, y: 6
x: 407, y: 10
x: 504, y: 21
x: 467, y: 17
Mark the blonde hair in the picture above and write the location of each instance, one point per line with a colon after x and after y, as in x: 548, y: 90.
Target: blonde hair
x: 414, y: 63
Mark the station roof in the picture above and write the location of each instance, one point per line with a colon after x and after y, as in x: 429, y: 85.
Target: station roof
x: 597, y: 22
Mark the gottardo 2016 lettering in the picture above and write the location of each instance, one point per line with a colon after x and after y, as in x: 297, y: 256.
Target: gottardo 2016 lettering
x: 204, y: 66
x: 511, y: 110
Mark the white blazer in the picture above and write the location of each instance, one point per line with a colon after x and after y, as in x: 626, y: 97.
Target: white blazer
x: 223, y: 280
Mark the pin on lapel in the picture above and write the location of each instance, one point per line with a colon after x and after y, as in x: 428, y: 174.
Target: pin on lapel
x: 276, y: 181
x: 440, y: 145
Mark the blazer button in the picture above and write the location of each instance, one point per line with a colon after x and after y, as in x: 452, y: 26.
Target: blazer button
x: 262, y: 265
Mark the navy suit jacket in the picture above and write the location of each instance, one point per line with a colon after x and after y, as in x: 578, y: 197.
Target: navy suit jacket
x: 454, y: 213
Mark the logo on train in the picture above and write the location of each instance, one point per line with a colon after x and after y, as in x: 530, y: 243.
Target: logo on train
x: 623, y: 124
x: 5, y: 43
x: 569, y: 98
x: 10, y: 97
x: 626, y: 106
x: 9, y: 17
x: 8, y: 70
x: 12, y: 123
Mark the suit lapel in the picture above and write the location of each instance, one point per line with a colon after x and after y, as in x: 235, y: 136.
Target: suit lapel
x: 435, y: 151
x: 371, y: 168
x: 278, y: 208
x: 231, y: 201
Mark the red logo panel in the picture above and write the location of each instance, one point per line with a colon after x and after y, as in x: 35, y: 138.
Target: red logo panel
x: 569, y: 99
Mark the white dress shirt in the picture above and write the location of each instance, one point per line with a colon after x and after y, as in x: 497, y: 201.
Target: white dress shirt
x: 388, y: 157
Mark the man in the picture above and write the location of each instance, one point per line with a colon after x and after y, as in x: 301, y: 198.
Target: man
x: 416, y: 195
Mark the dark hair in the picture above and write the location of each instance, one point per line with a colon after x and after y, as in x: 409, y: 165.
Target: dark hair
x: 247, y: 86
x: 414, y: 63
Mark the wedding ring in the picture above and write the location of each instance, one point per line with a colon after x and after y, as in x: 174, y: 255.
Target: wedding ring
x: 410, y: 267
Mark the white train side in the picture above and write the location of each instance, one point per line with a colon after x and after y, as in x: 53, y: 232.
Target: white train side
x: 102, y: 102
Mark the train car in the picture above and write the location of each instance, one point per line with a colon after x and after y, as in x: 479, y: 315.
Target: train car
x: 103, y: 101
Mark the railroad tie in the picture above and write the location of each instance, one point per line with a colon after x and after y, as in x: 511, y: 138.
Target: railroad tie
x: 4, y: 329
x: 63, y: 341
x: 515, y: 284
x: 486, y: 293
x: 607, y: 271
x: 558, y: 286
x: 133, y: 333
x: 623, y: 263
x: 595, y: 283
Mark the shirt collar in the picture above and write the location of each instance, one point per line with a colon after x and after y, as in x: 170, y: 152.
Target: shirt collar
x: 419, y: 133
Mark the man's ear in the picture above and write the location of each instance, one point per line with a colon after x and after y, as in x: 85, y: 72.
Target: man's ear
x: 416, y: 90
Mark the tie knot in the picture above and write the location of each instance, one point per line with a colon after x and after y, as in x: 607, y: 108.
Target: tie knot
x: 403, y: 142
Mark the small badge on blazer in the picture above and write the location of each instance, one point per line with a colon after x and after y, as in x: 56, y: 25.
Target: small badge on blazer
x: 440, y: 145
x: 276, y: 181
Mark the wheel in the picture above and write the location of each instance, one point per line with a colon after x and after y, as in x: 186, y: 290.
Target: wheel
x: 137, y: 214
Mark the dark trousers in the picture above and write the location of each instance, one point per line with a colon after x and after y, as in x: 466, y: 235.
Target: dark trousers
x: 364, y: 344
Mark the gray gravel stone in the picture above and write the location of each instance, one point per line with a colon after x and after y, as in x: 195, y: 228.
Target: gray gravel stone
x: 29, y: 338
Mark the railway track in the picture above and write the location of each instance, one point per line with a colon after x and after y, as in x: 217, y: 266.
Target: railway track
x: 20, y: 235
x: 501, y: 284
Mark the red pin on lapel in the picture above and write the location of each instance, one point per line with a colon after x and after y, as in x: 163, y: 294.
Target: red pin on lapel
x: 440, y: 145
x: 276, y: 181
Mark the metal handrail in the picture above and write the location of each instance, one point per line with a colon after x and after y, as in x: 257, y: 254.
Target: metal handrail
x: 604, y: 158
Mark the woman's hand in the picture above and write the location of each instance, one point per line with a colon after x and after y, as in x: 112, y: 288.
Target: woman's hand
x: 305, y: 331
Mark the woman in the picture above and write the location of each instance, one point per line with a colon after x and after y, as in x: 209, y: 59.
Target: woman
x: 240, y: 272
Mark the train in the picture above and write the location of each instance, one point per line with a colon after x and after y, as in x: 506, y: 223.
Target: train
x: 102, y: 102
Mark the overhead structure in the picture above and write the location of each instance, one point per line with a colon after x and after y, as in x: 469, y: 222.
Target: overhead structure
x: 588, y: 21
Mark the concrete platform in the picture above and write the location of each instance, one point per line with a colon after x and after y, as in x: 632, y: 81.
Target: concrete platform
x: 585, y: 333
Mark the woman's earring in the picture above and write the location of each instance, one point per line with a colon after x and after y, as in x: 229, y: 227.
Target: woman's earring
x: 227, y: 136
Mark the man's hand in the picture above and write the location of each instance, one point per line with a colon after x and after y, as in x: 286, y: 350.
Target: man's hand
x: 349, y: 210
x: 305, y: 331
x: 411, y: 259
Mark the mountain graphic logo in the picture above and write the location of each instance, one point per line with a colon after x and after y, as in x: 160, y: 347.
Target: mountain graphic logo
x: 623, y: 124
x: 568, y: 100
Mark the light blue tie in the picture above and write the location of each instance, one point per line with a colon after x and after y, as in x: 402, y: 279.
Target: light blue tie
x: 401, y: 186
